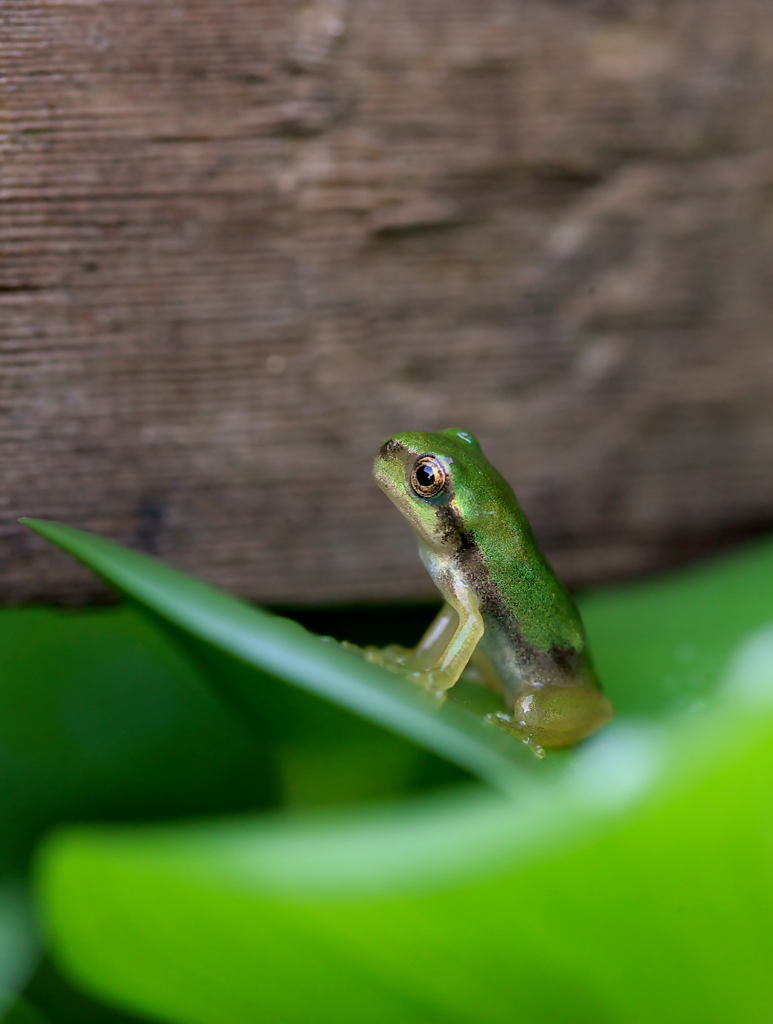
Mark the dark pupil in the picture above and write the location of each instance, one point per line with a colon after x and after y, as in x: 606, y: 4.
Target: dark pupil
x: 425, y: 476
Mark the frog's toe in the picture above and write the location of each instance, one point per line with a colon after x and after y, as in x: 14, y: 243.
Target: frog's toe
x: 437, y: 682
x: 392, y: 657
x: 518, y: 729
x: 424, y: 679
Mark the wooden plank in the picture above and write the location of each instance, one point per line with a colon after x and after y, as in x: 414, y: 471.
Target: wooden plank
x: 242, y: 242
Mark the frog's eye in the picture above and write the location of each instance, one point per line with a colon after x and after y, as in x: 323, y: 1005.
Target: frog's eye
x: 428, y: 476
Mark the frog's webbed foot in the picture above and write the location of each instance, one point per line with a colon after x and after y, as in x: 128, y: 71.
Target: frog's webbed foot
x: 393, y: 656
x: 403, y: 661
x: 518, y: 729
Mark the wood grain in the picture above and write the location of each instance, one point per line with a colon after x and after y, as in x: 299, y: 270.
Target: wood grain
x: 241, y: 242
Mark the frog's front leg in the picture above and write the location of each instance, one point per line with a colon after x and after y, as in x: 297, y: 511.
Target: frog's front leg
x: 442, y: 653
x: 437, y: 637
x: 435, y: 642
x: 447, y: 646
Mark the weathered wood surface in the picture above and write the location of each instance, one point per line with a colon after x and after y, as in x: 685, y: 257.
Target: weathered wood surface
x: 240, y: 242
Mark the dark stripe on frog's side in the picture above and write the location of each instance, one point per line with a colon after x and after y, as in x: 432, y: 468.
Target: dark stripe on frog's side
x: 519, y: 662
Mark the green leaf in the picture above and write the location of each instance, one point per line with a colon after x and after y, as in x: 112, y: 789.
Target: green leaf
x: 23, y: 1012
x: 662, y: 646
x: 19, y: 950
x: 101, y: 717
x: 287, y: 651
x: 636, y: 890
x: 635, y: 884
x: 57, y: 1001
x: 324, y: 754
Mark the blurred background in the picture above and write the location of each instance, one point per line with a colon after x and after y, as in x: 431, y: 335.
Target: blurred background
x: 243, y: 242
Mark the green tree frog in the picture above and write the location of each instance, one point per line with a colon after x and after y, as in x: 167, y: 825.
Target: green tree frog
x: 500, y: 595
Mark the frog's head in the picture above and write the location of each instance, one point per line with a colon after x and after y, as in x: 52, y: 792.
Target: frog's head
x: 442, y: 483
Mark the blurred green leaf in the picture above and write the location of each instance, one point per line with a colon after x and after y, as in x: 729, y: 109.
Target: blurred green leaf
x: 662, y: 646
x: 324, y: 754
x: 101, y: 717
x: 287, y: 651
x: 634, y: 885
x: 22, y: 1012
x: 634, y: 890
x: 58, y: 1001
x: 19, y: 950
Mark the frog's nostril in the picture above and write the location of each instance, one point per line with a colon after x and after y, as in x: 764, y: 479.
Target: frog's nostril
x: 390, y: 447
